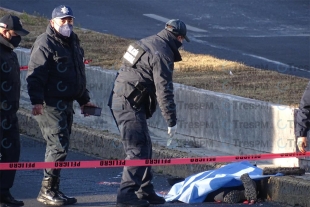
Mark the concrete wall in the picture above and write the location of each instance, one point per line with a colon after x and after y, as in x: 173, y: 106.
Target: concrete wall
x: 208, y: 120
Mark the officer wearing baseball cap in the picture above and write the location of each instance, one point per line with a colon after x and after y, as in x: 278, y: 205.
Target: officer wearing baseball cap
x: 56, y: 78
x: 62, y: 11
x: 11, y: 22
x: 177, y: 27
x: 145, y: 79
x: 11, y: 30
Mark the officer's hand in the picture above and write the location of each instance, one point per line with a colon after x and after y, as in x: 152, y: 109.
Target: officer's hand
x: 37, y: 109
x: 172, y: 131
x: 302, y: 144
x: 88, y: 104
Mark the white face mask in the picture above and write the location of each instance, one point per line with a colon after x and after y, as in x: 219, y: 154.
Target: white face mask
x: 65, y: 29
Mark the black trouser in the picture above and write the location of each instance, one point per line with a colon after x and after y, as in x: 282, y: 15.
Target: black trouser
x: 10, y: 149
x: 55, y: 125
x: 137, y: 145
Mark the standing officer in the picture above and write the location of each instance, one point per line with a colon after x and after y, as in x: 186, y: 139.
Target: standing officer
x: 144, y: 79
x: 303, y: 120
x: 56, y: 77
x: 11, y: 31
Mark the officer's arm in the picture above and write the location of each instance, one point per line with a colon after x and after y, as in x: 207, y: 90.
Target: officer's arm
x: 162, y: 73
x: 303, y: 114
x: 84, y: 99
x: 4, y: 67
x: 3, y: 77
x: 37, y: 75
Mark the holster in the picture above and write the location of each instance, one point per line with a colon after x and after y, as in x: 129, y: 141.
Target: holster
x: 138, y: 95
x: 143, y: 96
x: 151, y: 106
x: 135, y: 93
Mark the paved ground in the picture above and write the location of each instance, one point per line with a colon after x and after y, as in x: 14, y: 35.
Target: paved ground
x: 268, y: 34
x: 92, y: 187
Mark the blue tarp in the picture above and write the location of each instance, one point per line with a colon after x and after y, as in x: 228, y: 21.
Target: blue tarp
x: 195, y: 188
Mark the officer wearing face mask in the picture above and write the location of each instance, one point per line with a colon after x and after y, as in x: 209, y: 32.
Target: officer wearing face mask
x: 56, y: 77
x: 11, y: 31
x: 144, y: 79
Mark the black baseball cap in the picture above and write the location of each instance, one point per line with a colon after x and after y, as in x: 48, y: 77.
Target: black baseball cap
x: 177, y: 27
x: 62, y: 11
x: 11, y: 22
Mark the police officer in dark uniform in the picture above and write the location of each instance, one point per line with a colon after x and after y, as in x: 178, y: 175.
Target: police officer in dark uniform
x: 144, y: 79
x: 11, y: 31
x: 56, y: 77
x: 303, y: 120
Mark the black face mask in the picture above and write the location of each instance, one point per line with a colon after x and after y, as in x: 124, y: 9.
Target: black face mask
x: 178, y: 44
x: 15, y: 40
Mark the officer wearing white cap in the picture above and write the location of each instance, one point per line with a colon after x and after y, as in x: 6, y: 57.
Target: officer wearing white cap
x: 56, y: 77
x: 11, y: 30
x: 144, y: 79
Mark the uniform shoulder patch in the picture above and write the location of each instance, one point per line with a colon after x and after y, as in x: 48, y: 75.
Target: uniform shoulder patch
x: 133, y: 53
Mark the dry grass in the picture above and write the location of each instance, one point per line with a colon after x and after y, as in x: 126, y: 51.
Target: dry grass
x: 198, y: 70
x: 203, y: 71
x: 104, y: 50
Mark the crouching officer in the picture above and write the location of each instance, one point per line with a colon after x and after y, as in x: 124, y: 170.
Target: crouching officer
x: 11, y: 31
x: 56, y: 77
x: 144, y: 79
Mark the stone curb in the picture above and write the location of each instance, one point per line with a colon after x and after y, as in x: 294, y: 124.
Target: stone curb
x: 290, y: 190
x: 102, y: 144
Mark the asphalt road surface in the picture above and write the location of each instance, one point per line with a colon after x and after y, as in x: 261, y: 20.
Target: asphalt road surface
x: 91, y: 187
x: 267, y: 34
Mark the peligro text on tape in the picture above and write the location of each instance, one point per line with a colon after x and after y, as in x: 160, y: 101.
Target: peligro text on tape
x: 67, y: 164
x: 22, y: 165
x: 248, y: 157
x: 157, y: 161
x: 113, y: 163
x: 203, y: 159
x: 146, y: 162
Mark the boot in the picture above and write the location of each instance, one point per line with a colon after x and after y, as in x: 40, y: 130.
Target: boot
x: 234, y: 196
x: 70, y: 200
x: 249, y: 185
x: 48, y: 195
x: 7, y: 199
